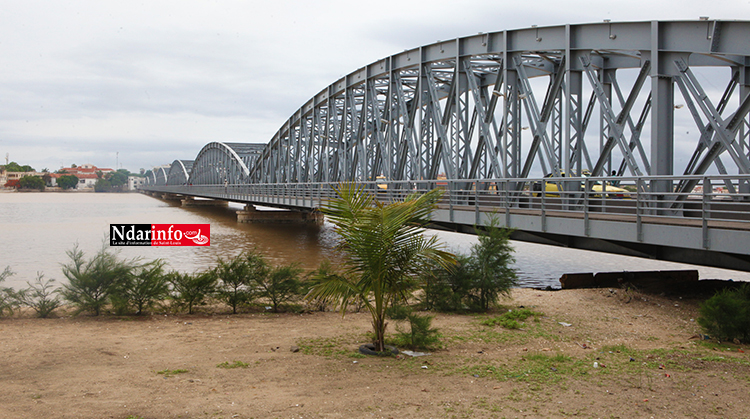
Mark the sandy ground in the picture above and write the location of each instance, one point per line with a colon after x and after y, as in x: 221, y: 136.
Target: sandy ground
x: 650, y: 364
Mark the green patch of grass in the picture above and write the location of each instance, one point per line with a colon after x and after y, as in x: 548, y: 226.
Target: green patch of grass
x: 724, y: 359
x: 333, y: 347
x: 718, y: 346
x: 503, y: 336
x: 512, y: 319
x: 536, y: 368
x: 171, y: 373
x: 235, y: 364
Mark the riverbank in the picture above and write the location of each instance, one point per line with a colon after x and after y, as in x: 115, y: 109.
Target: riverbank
x: 650, y: 362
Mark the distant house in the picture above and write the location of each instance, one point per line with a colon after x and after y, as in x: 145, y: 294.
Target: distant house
x: 134, y: 182
x: 87, y: 174
x: 86, y: 180
x: 10, y: 179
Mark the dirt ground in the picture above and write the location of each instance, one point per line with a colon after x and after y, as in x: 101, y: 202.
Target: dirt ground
x: 650, y: 363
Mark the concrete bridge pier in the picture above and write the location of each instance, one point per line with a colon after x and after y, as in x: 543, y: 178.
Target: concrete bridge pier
x: 251, y: 215
x: 189, y: 201
x: 170, y: 197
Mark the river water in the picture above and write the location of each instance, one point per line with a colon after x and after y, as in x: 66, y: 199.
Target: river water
x: 37, y: 229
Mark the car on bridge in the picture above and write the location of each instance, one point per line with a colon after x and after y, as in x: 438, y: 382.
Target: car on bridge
x: 553, y: 188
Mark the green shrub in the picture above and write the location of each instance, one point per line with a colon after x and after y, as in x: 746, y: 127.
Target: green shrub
x: 477, y: 279
x: 8, y: 298
x: 491, y: 260
x: 726, y: 315
x: 447, y: 290
x: 91, y: 282
x: 236, y: 277
x: 420, y: 334
x: 142, y: 289
x: 189, y: 290
x: 316, y: 278
x: 31, y: 182
x: 40, y: 296
x: 280, y: 285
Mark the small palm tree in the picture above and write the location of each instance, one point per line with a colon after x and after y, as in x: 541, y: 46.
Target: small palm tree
x: 384, y: 248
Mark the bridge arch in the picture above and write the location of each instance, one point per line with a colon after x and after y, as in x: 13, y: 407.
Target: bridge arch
x: 224, y: 163
x: 599, y: 97
x: 160, y: 176
x: 179, y: 172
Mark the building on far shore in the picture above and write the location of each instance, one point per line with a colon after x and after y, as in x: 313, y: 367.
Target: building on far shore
x: 87, y: 174
x: 9, y: 180
x: 134, y: 182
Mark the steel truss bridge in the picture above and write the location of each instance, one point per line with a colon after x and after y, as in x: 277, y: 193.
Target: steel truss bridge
x: 629, y: 137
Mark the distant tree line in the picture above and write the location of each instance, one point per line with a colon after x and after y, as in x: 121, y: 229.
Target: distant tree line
x: 15, y: 167
x: 116, y: 181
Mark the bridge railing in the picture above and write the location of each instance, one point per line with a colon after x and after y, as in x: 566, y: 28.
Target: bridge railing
x: 715, y: 201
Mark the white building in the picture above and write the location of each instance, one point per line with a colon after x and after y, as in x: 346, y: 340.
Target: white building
x: 134, y: 182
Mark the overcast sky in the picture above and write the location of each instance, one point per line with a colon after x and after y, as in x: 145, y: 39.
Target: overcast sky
x: 156, y: 80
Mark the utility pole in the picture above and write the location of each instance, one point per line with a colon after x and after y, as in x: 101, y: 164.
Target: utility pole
x: 117, y: 160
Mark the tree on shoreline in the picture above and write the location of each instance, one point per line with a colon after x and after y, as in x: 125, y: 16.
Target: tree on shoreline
x: 143, y: 288
x: 478, y: 278
x: 92, y: 281
x: 189, y: 290
x: 279, y: 285
x: 236, y: 276
x: 385, y: 251
x: 67, y: 181
x: 490, y: 264
x: 15, y: 167
x: 31, y: 182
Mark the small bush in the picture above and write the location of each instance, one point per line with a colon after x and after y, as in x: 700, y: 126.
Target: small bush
x: 726, y: 315
x: 40, y: 296
x: 477, y: 279
x: 448, y: 290
x: 236, y: 277
x: 280, y: 285
x: 91, y: 282
x: 420, y: 335
x: 8, y: 298
x: 142, y: 289
x: 316, y: 278
x: 189, y: 290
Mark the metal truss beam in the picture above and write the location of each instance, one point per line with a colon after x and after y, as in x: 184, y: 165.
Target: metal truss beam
x: 458, y: 109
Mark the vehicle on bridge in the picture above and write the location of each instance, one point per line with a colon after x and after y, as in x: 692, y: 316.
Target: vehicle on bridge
x: 553, y: 188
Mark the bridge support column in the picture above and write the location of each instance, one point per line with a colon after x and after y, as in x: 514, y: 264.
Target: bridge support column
x: 170, y: 197
x: 189, y: 201
x: 252, y: 215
